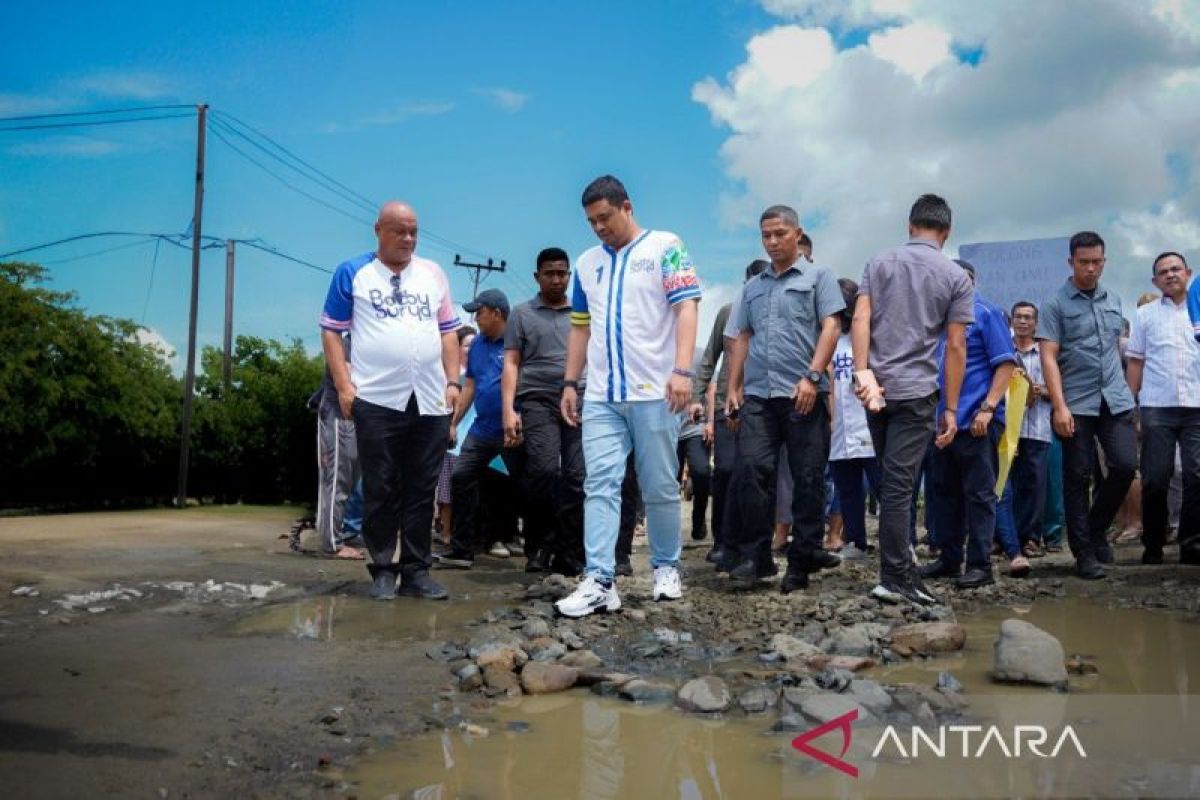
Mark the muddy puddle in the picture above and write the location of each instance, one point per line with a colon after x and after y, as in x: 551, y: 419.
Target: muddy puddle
x: 330, y: 618
x: 1134, y: 722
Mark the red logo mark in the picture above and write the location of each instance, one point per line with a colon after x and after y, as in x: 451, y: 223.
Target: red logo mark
x: 801, y: 743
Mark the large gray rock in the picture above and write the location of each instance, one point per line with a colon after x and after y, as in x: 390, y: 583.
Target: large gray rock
x: 539, y: 678
x: 535, y: 628
x: 491, y: 636
x: 1027, y: 654
x: 641, y: 691
x: 758, y: 699
x: 871, y: 696
x: 925, y: 638
x: 793, y: 649
x: 824, y: 707
x: 708, y: 694
x: 856, y: 640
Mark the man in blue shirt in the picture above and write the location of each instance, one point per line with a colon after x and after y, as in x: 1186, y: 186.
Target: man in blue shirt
x: 964, y: 471
x: 485, y: 438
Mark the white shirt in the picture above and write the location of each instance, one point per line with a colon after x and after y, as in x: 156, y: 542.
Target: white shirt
x: 851, y: 437
x: 396, y: 323
x: 627, y: 297
x: 1036, y: 423
x: 1162, y: 338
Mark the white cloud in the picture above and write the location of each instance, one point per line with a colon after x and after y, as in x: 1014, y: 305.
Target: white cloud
x: 156, y: 341
x: 72, y: 146
x: 393, y: 116
x: 1045, y: 136
x: 132, y: 85
x: 1149, y: 233
x: 509, y: 101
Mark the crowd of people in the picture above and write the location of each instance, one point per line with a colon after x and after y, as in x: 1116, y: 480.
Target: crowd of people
x: 814, y: 398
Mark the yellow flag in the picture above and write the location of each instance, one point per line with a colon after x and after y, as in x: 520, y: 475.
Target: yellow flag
x: 1014, y: 413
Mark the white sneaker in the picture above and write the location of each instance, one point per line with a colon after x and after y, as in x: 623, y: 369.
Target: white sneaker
x: 852, y: 552
x: 666, y: 584
x: 589, y: 597
x: 499, y: 550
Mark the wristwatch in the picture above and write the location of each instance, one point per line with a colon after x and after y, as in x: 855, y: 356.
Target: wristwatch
x: 986, y: 407
x: 814, y: 376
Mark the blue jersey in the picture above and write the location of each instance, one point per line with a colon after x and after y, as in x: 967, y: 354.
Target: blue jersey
x: 989, y: 344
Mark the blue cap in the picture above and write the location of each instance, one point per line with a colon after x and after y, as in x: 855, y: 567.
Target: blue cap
x: 492, y: 298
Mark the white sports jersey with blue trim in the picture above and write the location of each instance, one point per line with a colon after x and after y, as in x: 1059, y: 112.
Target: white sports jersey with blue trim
x: 626, y: 297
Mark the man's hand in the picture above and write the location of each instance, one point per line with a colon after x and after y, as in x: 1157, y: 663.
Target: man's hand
x: 979, y: 424
x: 805, y: 395
x: 512, y: 429
x: 453, y: 437
x: 569, y: 406
x: 453, y: 391
x: 1063, y: 422
x: 947, y: 429
x: 709, y: 432
x: 695, y: 412
x: 679, y: 391
x: 733, y: 407
x: 346, y: 399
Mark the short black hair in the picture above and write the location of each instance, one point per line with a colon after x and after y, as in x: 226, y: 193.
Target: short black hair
x: 849, y: 297
x: 806, y: 241
x: 606, y: 187
x: 1086, y: 239
x: 1167, y: 254
x: 465, y: 331
x: 756, y: 267
x: 1023, y: 304
x: 930, y: 211
x: 552, y: 254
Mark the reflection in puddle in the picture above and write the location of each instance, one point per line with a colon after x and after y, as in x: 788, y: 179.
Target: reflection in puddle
x: 331, y: 617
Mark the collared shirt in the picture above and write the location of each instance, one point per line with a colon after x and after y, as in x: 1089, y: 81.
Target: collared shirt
x: 627, y: 297
x: 783, y: 314
x: 397, y: 322
x: 1087, y: 331
x: 485, y: 363
x: 915, y: 292
x: 851, y: 438
x: 1162, y: 338
x: 989, y: 345
x: 1036, y: 423
x: 539, y: 333
x: 713, y: 353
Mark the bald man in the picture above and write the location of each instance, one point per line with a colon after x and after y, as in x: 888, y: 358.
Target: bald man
x: 399, y: 386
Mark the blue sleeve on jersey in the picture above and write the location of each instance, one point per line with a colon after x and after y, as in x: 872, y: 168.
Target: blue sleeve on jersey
x: 339, y: 301
x: 996, y: 339
x: 1194, y: 307
x: 579, y: 304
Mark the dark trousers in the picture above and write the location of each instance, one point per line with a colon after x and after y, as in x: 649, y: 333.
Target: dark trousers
x: 1028, y: 480
x: 468, y: 475
x: 765, y: 426
x: 553, y: 479
x: 401, y: 457
x: 964, y: 479
x: 1086, y: 526
x: 900, y: 433
x: 724, y: 450
x: 848, y: 483
x: 630, y: 498
x: 1162, y: 430
x: 698, y: 456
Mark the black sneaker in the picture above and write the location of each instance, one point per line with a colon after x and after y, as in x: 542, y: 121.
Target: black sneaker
x: 793, y: 582
x: 1104, y: 553
x: 823, y: 559
x: 419, y: 584
x: 1088, y: 568
x: 699, y: 532
x: 624, y: 568
x: 911, y: 591
x: 454, y: 557
x: 937, y: 569
x: 383, y: 586
x: 716, y: 555
x: 974, y: 578
x: 750, y: 571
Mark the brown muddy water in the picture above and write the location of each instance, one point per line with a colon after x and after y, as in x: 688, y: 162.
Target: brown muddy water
x: 1137, y: 722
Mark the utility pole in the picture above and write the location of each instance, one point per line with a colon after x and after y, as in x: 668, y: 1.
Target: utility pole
x: 479, y: 269
x: 189, y: 382
x: 227, y: 363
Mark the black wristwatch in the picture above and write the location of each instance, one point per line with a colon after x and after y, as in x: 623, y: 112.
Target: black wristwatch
x: 814, y: 376
x: 987, y: 408
x: 571, y: 385
x: 455, y: 384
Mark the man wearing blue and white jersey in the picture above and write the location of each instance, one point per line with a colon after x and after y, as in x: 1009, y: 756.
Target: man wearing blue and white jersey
x: 633, y: 314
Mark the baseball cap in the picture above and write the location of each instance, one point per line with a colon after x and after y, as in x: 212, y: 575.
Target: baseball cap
x: 492, y: 298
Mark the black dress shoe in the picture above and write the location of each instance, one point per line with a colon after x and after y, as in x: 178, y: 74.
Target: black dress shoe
x: 699, y: 532
x: 750, y: 570
x: 1104, y: 553
x: 716, y: 555
x: 536, y: 563
x: 937, y: 569
x: 419, y: 584
x: 823, y: 559
x: 793, y: 582
x: 383, y: 586
x: 974, y: 578
x: 1152, y: 556
x: 623, y: 567
x: 1089, y: 569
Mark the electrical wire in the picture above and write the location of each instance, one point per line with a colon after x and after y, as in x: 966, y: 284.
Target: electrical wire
x: 62, y: 114
x: 91, y: 123
x: 150, y: 286
x: 94, y: 253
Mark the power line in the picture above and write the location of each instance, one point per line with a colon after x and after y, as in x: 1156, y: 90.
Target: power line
x: 90, y: 123
x: 150, y: 285
x: 109, y: 111
x: 95, y: 253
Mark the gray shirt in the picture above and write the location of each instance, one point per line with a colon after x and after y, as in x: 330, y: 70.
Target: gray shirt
x: 783, y: 314
x: 539, y: 333
x: 915, y: 292
x: 1087, y: 330
x: 712, y: 354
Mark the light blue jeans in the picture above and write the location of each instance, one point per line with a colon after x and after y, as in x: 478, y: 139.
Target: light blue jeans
x: 610, y: 430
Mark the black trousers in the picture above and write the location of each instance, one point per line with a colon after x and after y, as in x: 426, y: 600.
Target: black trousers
x: 401, y: 457
x: 964, y: 479
x: 630, y: 499
x: 1028, y: 476
x: 901, y: 432
x: 1086, y: 527
x: 724, y: 450
x: 1162, y: 430
x: 553, y: 479
x: 465, y: 481
x: 766, y: 425
x: 698, y: 457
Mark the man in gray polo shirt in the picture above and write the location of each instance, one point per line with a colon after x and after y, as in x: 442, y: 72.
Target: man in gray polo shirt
x: 784, y: 329
x: 1078, y: 329
x: 535, y: 345
x: 907, y: 298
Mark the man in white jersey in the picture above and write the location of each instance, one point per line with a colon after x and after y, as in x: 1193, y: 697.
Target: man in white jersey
x: 633, y: 315
x: 399, y: 387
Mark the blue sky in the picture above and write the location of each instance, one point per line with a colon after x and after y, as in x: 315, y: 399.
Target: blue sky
x: 490, y: 118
